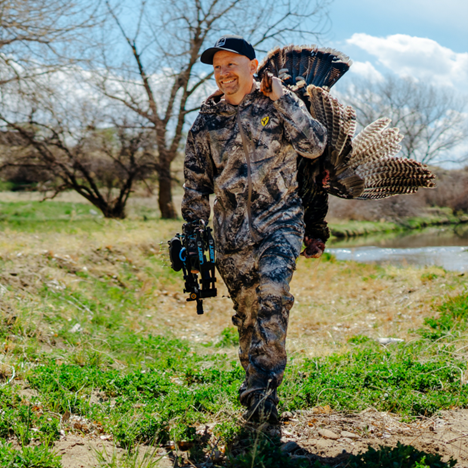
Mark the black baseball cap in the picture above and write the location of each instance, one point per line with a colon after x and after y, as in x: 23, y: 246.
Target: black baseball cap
x: 230, y: 43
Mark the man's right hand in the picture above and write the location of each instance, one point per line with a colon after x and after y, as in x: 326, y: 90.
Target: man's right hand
x: 271, y: 86
x: 314, y: 247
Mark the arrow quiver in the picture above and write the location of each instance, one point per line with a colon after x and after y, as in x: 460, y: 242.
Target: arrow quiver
x: 193, y: 252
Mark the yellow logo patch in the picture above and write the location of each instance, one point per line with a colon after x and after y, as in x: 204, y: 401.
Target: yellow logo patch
x: 265, y: 120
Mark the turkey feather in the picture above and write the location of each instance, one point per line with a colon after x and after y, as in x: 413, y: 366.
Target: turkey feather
x: 362, y: 166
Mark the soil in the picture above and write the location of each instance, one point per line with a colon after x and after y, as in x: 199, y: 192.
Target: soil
x: 331, y: 436
x: 317, y: 434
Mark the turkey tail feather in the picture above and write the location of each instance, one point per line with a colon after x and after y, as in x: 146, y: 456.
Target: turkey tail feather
x: 393, y: 176
x: 299, y: 66
x: 364, y: 166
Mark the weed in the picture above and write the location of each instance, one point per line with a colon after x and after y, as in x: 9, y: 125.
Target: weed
x: 403, y: 379
x: 137, y: 458
x: 25, y: 421
x: 227, y: 431
x: 453, y: 318
x: 229, y: 337
x: 163, y: 401
x: 27, y: 457
x: 359, y: 339
x: 428, y: 276
x: 328, y: 257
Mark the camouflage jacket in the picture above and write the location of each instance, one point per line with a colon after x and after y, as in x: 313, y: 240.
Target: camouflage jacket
x: 247, y: 156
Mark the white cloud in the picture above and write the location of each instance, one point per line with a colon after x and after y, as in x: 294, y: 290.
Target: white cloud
x: 418, y: 57
x: 366, y: 70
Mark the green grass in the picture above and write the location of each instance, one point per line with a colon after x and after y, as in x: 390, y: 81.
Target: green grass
x: 405, y: 379
x: 44, y: 211
x: 35, y: 216
x: 162, y: 400
x: 167, y: 389
x: 25, y: 420
x: 451, y: 321
x: 229, y: 337
x: 28, y: 457
x: 142, y: 385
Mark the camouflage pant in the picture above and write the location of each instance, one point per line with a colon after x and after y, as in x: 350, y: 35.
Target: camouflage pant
x: 258, y: 282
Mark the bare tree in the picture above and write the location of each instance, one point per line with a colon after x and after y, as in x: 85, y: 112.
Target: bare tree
x: 79, y: 145
x: 431, y: 118
x: 35, y: 35
x: 151, y: 52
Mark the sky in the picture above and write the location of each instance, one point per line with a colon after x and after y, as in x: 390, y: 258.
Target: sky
x: 425, y: 39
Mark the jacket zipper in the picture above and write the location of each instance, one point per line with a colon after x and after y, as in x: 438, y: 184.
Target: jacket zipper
x: 249, y: 177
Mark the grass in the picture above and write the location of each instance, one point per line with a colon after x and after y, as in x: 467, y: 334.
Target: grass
x: 37, y: 457
x: 44, y: 211
x: 409, y: 379
x: 97, y: 339
x: 133, y: 459
x: 452, y: 319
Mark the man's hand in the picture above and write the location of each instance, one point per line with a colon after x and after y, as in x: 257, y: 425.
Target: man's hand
x: 271, y: 86
x: 314, y: 247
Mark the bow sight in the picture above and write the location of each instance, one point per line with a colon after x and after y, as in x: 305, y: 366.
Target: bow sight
x: 188, y: 253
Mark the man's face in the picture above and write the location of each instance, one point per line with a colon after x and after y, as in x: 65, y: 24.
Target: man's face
x: 234, y: 75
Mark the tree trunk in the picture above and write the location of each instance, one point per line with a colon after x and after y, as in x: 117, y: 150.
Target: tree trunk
x: 109, y: 211
x: 165, y: 196
x: 115, y: 213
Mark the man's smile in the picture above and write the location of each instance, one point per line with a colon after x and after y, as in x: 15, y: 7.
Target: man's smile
x: 228, y: 81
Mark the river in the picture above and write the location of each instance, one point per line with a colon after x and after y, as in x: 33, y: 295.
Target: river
x: 446, y: 247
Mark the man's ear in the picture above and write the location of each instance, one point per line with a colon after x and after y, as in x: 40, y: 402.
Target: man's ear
x: 253, y: 66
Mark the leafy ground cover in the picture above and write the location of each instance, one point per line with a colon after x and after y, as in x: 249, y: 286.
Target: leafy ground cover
x: 97, y: 340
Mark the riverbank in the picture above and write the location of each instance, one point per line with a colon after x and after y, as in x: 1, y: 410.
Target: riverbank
x: 351, y: 228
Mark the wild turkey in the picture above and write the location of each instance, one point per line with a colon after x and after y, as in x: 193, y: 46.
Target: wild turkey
x: 363, y: 167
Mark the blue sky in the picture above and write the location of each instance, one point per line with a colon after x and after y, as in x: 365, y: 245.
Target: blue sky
x: 445, y: 21
x: 427, y: 39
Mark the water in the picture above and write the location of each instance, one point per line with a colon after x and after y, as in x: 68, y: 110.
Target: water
x: 445, y: 247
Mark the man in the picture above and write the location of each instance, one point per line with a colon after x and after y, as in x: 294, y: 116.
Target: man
x: 243, y: 147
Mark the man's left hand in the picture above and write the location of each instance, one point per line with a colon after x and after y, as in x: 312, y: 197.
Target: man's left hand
x: 314, y: 247
x: 271, y: 86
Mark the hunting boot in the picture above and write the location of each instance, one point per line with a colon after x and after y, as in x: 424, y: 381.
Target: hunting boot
x: 262, y: 407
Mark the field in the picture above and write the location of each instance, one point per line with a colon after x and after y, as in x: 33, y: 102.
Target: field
x: 104, y: 364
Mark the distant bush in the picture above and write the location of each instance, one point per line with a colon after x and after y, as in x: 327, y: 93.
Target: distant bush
x: 451, y: 191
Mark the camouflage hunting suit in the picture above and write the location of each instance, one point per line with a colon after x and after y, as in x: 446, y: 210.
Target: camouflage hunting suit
x: 247, y: 156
